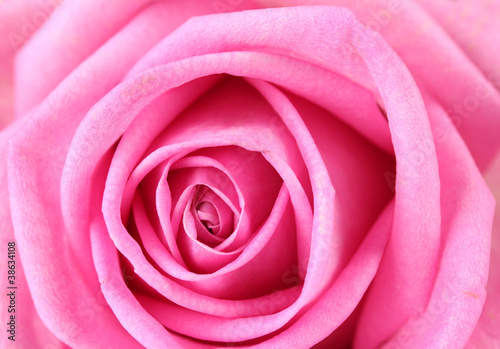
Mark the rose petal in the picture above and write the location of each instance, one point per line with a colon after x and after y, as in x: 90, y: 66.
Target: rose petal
x: 130, y: 44
x: 53, y: 54
x: 221, y: 334
x: 95, y: 153
x: 414, y: 237
x: 207, y: 134
x: 475, y: 28
x: 241, y: 64
x: 350, y: 102
x: 253, y: 178
x: 337, y: 303
x: 467, y: 210
x: 219, y: 182
x: 227, y: 283
x: 398, y: 91
x: 30, y: 329
x: 211, y: 213
x: 144, y: 327
x: 424, y: 174
x: 19, y: 20
x: 70, y: 305
x: 469, y: 96
x: 486, y: 332
x: 199, y: 257
x: 72, y: 329
x: 357, y: 170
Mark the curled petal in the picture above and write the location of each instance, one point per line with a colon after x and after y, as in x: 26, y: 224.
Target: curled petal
x: 458, y: 293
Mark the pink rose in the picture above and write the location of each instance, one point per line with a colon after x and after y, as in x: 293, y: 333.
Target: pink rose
x: 189, y: 174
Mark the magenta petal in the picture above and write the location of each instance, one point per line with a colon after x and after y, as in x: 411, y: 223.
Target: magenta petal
x: 215, y: 215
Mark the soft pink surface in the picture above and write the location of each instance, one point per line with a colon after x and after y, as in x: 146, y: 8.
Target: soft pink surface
x: 470, y: 93
x: 458, y: 293
x: 19, y: 21
x: 105, y: 176
x: 26, y: 315
x: 486, y: 333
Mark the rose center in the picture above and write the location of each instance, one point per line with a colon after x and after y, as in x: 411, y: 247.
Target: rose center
x: 212, y: 213
x: 208, y: 216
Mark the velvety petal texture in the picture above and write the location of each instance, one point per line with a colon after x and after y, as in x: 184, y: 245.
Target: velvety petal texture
x: 468, y: 92
x: 27, y: 317
x: 214, y: 174
x: 19, y: 21
x: 486, y: 334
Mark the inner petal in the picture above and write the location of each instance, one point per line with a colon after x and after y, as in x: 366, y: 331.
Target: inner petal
x: 280, y: 154
x: 193, y: 226
x: 208, y: 216
x: 214, y: 214
x: 190, y: 186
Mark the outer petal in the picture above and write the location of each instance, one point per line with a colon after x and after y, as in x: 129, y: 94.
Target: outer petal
x: 468, y: 95
x: 30, y: 331
x: 486, y: 333
x: 459, y: 290
x: 74, y: 32
x: 19, y: 20
x: 61, y: 111
x: 473, y: 25
x: 78, y: 29
x: 417, y: 194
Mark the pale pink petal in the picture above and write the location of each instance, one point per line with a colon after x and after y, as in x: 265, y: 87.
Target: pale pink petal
x: 362, y: 195
x: 19, y: 21
x: 30, y: 331
x: 474, y: 26
x: 55, y: 53
x: 486, y: 333
x: 422, y: 190
x: 209, y: 134
x: 459, y: 288
x: 393, y: 313
x: 467, y: 94
x: 142, y: 325
x: 337, y: 303
x: 350, y: 102
x: 416, y: 210
x: 55, y: 303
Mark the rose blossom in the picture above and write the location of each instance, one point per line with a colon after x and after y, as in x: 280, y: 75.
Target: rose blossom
x: 263, y: 177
